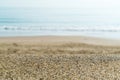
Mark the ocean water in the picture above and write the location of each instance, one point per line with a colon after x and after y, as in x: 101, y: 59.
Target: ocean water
x: 58, y: 21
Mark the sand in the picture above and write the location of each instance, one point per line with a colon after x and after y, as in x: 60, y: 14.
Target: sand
x: 59, y: 58
x: 61, y: 39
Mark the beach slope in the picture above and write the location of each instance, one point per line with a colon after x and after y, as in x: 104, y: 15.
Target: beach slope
x: 59, y: 58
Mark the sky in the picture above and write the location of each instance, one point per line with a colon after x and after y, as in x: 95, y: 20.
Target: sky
x: 108, y: 4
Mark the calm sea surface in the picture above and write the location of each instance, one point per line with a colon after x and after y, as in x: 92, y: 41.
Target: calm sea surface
x: 40, y: 22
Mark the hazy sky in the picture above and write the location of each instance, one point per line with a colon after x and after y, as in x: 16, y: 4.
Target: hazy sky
x: 61, y: 3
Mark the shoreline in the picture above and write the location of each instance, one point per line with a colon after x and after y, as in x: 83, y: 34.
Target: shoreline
x: 60, y: 39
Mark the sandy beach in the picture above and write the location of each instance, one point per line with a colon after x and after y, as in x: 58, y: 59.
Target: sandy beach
x: 59, y: 58
x: 61, y: 40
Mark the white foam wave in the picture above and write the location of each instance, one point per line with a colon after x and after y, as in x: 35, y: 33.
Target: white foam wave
x: 60, y: 28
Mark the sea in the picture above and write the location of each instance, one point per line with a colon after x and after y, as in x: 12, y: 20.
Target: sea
x: 93, y: 22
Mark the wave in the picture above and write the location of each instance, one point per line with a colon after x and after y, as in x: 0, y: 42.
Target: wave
x: 61, y: 28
